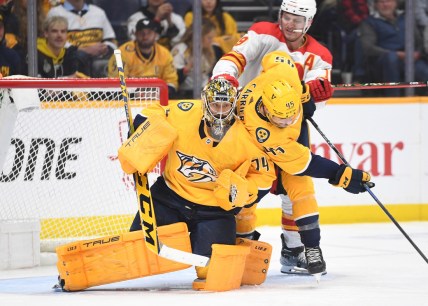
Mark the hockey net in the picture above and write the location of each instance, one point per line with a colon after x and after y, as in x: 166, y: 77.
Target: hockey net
x: 58, y: 155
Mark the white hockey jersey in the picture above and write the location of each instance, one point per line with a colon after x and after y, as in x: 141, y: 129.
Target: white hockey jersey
x: 91, y: 27
x: 312, y: 59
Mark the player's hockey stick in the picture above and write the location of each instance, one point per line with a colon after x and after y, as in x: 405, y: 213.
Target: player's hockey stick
x: 146, y: 210
x: 358, y: 86
x: 367, y: 187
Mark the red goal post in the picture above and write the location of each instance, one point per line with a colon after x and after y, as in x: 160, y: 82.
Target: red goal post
x: 58, y: 154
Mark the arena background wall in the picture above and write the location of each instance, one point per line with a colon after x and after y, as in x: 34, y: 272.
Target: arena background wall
x: 387, y: 137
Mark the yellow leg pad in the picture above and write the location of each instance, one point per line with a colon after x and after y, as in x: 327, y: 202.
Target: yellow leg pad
x: 115, y: 258
x: 257, y: 262
x: 225, y: 269
x: 246, y: 220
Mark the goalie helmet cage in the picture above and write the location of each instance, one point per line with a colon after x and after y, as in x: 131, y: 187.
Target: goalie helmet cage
x: 58, y: 155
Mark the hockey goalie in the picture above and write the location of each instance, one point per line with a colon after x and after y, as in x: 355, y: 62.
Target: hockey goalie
x: 213, y: 170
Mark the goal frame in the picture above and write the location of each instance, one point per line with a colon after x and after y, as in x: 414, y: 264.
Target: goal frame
x: 160, y: 95
x: 83, y: 83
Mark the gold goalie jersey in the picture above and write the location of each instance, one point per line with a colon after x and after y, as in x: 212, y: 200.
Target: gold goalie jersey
x: 279, y: 143
x: 195, y: 160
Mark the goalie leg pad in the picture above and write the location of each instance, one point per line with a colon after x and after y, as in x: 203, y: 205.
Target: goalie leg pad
x: 115, y: 258
x: 257, y: 261
x: 225, y: 269
x: 150, y: 142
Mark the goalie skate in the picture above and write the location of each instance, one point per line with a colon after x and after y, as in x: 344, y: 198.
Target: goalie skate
x: 58, y: 287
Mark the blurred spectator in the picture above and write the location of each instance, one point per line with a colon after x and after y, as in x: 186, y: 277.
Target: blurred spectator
x: 421, y: 13
x: 226, y: 27
x: 350, y: 14
x: 421, y: 17
x: 161, y: 12
x: 370, y: 4
x: 16, y: 23
x: 10, y: 62
x: 91, y: 32
x: 46, y: 5
x: 118, y: 13
x: 10, y: 24
x: 143, y: 57
x: 16, y: 27
x: 383, y: 42
x: 181, y: 7
x: 183, y: 58
x: 326, y: 15
x: 54, y: 60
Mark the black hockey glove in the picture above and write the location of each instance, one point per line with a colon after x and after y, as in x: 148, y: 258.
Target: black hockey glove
x: 307, y: 102
x: 352, y: 180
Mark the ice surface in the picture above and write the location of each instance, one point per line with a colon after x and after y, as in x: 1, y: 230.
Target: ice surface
x: 367, y: 264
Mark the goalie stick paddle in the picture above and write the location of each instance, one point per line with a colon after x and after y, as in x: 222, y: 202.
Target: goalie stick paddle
x: 145, y: 208
x: 367, y: 187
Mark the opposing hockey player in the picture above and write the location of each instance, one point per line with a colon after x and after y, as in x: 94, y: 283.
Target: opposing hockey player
x: 314, y: 63
x: 271, y: 106
x: 212, y: 171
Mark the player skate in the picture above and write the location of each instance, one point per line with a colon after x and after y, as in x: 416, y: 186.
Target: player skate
x: 316, y: 263
x: 293, y: 260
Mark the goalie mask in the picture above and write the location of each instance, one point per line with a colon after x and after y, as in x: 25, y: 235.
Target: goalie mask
x: 219, y: 101
x: 282, y: 103
x: 305, y: 8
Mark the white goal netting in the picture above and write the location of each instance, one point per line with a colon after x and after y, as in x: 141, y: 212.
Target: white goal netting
x: 58, y: 155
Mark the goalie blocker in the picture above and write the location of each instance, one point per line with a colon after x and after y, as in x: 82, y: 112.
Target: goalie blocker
x: 152, y: 139
x: 116, y: 258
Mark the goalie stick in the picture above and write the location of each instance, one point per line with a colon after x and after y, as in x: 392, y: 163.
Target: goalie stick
x: 367, y: 187
x: 145, y: 207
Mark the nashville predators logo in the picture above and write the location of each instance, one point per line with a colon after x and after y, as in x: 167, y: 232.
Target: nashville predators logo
x: 195, y: 169
x: 185, y: 106
x: 262, y: 134
x: 233, y: 193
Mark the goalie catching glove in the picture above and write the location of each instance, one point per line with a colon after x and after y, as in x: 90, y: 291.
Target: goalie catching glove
x: 233, y: 189
x: 352, y: 180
